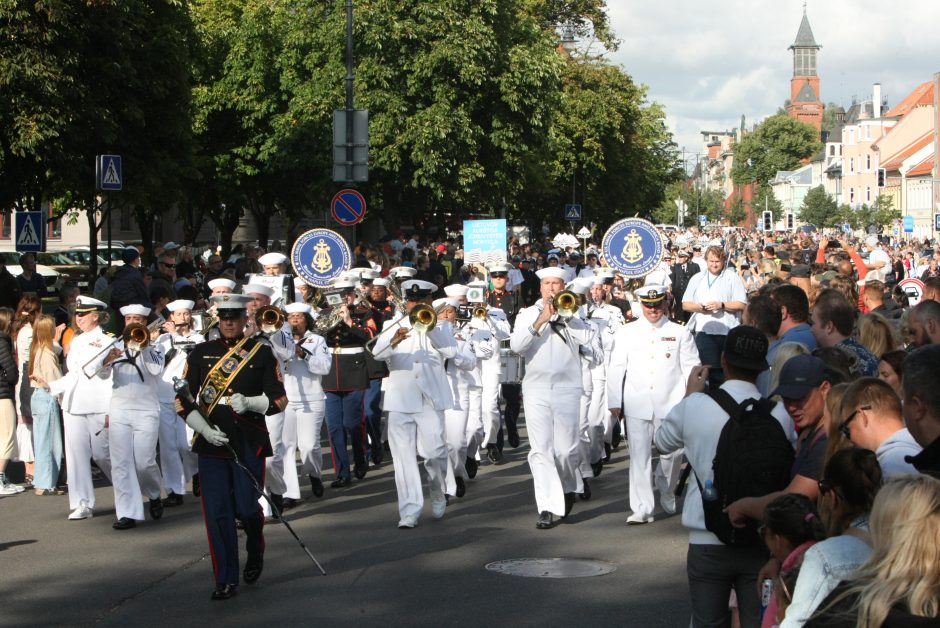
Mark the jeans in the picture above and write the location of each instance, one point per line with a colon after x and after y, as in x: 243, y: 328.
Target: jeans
x: 710, y: 347
x: 47, y: 439
x: 373, y: 405
x: 344, y: 413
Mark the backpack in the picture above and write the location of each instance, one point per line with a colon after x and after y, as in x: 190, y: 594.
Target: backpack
x: 753, y: 458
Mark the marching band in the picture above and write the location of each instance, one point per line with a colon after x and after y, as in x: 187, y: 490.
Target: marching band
x: 383, y: 366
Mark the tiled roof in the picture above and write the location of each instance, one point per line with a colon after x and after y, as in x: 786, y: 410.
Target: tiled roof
x: 894, y: 161
x: 923, y: 168
x: 922, y: 95
x: 804, y: 37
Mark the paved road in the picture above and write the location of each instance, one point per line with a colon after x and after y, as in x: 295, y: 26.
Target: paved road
x: 59, y: 572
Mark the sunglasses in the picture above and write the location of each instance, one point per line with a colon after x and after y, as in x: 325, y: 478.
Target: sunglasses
x: 495, y: 275
x: 83, y: 313
x: 844, y: 426
x: 168, y: 265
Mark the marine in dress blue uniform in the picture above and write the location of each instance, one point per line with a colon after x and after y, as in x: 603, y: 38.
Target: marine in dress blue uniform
x: 236, y: 381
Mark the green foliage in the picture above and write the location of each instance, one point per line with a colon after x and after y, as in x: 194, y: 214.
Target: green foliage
x: 710, y: 203
x: 778, y: 143
x: 880, y: 214
x: 829, y: 117
x: 820, y: 209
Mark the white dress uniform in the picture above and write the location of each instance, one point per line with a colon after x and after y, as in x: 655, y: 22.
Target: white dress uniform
x: 416, y: 396
x: 305, y: 412
x: 647, y: 375
x: 85, y: 404
x: 551, y: 390
x: 608, y: 319
x: 134, y: 425
x: 282, y: 345
x: 460, y: 374
x: 484, y: 417
x: 492, y: 371
x: 177, y: 462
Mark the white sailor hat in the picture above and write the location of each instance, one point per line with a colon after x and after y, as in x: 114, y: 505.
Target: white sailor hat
x: 135, y: 309
x: 88, y: 304
x: 498, y: 267
x: 221, y: 283
x: 650, y: 295
x: 257, y: 288
x: 295, y: 308
x: 401, y: 272
x: 180, y: 304
x: 368, y: 274
x: 299, y: 282
x: 555, y: 272
x: 380, y: 281
x: 272, y: 259
x: 604, y: 271
x: 581, y: 285
x: 417, y: 289
x: 600, y: 280
x: 343, y: 283
x: 230, y: 305
x: 454, y: 303
x: 456, y: 290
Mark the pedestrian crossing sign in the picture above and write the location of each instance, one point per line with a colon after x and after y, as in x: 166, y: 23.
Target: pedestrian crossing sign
x: 109, y: 171
x: 573, y: 211
x: 29, y: 235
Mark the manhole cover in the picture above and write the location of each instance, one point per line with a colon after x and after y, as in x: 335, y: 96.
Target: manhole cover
x: 551, y: 567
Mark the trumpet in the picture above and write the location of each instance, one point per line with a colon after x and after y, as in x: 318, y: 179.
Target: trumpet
x: 133, y: 334
x: 269, y: 318
x: 423, y: 318
x: 565, y: 303
x: 136, y: 336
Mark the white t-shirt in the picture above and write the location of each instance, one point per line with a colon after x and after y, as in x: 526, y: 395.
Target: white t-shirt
x: 705, y: 287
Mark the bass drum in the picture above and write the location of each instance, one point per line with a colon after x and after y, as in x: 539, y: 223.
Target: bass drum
x: 512, y: 366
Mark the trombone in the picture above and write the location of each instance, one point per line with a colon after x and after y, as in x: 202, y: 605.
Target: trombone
x: 422, y: 317
x: 135, y: 337
x: 269, y: 318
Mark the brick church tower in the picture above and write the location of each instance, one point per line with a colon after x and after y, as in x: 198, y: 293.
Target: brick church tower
x: 805, y: 104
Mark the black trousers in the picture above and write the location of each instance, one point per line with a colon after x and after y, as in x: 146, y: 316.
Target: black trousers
x: 512, y: 394
x: 713, y: 571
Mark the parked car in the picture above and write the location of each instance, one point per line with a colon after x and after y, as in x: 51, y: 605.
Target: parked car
x: 52, y: 277
x: 72, y: 265
x: 115, y: 252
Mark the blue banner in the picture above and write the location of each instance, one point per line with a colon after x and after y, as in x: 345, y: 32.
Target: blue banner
x: 484, y: 241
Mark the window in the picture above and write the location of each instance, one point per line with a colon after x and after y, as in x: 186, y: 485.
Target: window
x: 851, y: 195
x: 868, y: 163
x: 851, y: 165
x: 867, y: 131
x: 832, y: 150
x: 54, y: 228
x: 867, y: 193
x: 6, y: 225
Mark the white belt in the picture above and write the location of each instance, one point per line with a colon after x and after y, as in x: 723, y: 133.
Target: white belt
x: 346, y: 350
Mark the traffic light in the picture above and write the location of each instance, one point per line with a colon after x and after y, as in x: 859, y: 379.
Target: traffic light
x: 768, y: 221
x: 790, y: 222
x: 881, y: 177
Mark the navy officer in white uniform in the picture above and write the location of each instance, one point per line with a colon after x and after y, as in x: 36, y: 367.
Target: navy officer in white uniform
x: 650, y: 362
x: 551, y: 391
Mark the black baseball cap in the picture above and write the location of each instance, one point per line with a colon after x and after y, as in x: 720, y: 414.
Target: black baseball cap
x: 746, y: 348
x: 799, y: 376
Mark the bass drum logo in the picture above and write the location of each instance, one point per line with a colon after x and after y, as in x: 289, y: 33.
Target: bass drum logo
x: 319, y: 256
x: 633, y: 247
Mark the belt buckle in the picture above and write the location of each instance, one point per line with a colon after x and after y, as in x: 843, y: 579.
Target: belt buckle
x: 224, y: 400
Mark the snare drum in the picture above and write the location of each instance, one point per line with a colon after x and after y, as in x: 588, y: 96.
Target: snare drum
x: 512, y: 367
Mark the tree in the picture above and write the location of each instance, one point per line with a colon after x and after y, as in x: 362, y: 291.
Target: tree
x: 829, y: 117
x: 737, y: 214
x: 820, y: 209
x: 880, y: 214
x: 778, y: 143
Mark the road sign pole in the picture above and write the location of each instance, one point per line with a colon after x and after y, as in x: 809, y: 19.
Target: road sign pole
x: 108, y: 197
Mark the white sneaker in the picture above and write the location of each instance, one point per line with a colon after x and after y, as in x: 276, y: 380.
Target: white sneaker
x: 82, y: 512
x: 668, y: 501
x: 638, y: 518
x: 438, y: 505
x: 406, y: 523
x: 10, y: 489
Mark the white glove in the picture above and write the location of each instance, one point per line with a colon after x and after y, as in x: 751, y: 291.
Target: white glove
x: 242, y: 404
x: 213, y: 435
x: 483, y: 350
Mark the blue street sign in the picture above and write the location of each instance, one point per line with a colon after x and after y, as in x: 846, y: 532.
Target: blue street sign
x: 348, y: 207
x: 28, y: 234
x: 703, y: 220
x: 936, y: 222
x: 572, y: 212
x: 908, y: 224
x: 846, y: 227
x: 110, y: 173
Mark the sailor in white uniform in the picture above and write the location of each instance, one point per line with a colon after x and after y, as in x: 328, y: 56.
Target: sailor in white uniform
x: 416, y: 397
x: 649, y: 366
x: 177, y: 462
x: 134, y: 415
x: 551, y: 390
x: 85, y: 405
x: 306, y: 404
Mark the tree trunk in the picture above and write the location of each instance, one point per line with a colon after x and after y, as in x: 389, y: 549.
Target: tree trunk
x: 93, y: 245
x: 145, y: 223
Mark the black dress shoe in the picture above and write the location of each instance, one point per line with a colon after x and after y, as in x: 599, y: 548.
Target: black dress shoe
x: 471, y: 466
x: 569, y: 503
x: 197, y: 488
x: 156, y: 508
x: 341, y: 483
x: 607, y: 451
x: 493, y: 453
x: 617, y: 436
x: 253, y: 567
x: 545, y: 521
x: 289, y: 502
x: 239, y: 524
x: 124, y: 523
x: 360, y: 470
x: 316, y: 485
x: 377, y: 456
x: 461, y: 486
x: 597, y: 467
x: 513, y: 438
x: 224, y: 591
x: 586, y: 493
x: 172, y: 499
x: 278, y: 501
